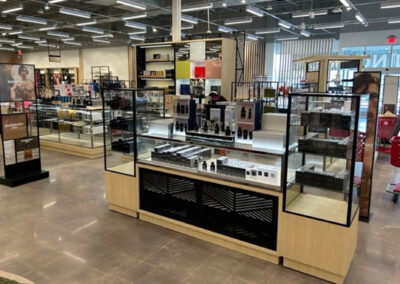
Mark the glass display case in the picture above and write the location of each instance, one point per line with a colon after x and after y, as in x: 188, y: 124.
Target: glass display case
x: 71, y: 125
x: 323, y: 172
x: 128, y: 108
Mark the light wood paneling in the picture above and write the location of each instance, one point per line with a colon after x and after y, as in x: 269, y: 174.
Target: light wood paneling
x: 318, y: 248
x: 72, y: 150
x: 254, y: 61
x: 228, y: 67
x: 79, y: 76
x: 121, y: 193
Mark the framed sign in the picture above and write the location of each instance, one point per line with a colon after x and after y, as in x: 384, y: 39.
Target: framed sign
x: 27, y: 149
x: 17, y: 82
x: 14, y: 126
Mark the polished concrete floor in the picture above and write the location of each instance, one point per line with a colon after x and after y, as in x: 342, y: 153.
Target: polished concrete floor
x: 59, y: 230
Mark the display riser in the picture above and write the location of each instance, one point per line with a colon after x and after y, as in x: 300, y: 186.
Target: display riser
x: 89, y: 153
x: 23, y: 178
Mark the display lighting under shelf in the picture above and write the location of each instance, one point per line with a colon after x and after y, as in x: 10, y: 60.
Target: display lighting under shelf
x: 5, y: 27
x: 390, y: 4
x: 268, y: 31
x: 394, y: 21
x: 224, y: 29
x: 255, y: 11
x: 92, y: 30
x: 328, y: 26
x: 189, y: 19
x: 285, y: 24
x: 135, y: 25
x: 132, y: 4
x: 197, y: 7
x: 75, y: 13
x: 12, y: 9
x: 238, y: 21
x: 31, y: 20
x: 137, y: 16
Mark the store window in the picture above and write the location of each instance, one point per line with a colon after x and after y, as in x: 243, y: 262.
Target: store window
x: 396, y: 56
x: 380, y: 56
x: 357, y: 50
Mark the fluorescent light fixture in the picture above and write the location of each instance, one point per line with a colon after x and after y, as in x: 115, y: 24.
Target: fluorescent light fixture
x: 137, y: 33
x: 255, y: 11
x: 361, y: 18
x: 137, y: 16
x: 16, y: 32
x: 390, y: 4
x: 104, y: 36
x: 132, y: 4
x: 394, y: 21
x: 25, y: 47
x: 41, y: 41
x: 87, y: 23
x: 101, y: 40
x: 74, y: 12
x: 224, y: 4
x: 55, y: 1
x: 12, y: 9
x: 57, y: 34
x: 7, y: 48
x: 189, y: 19
x: 268, y: 31
x: 68, y: 39
x: 5, y: 27
x: 225, y: 29
x: 287, y: 38
x: 328, y: 26
x: 345, y: 3
x: 135, y: 25
x: 72, y: 43
x: 47, y: 44
x: 17, y: 44
x: 285, y: 24
x: 187, y: 27
x: 6, y: 40
x: 156, y: 46
x: 305, y: 14
x: 32, y: 20
x: 251, y: 37
x: 27, y: 37
x: 305, y: 33
x: 137, y: 37
x: 48, y: 28
x: 197, y: 7
x: 239, y: 21
x: 93, y: 30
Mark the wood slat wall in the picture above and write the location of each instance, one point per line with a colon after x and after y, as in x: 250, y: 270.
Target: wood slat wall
x: 254, y: 60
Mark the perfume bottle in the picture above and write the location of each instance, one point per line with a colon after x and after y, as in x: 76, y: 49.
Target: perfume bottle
x: 227, y: 131
x: 251, y: 135
x: 239, y: 133
x: 205, y: 126
x: 204, y: 166
x: 181, y: 127
x: 212, y: 167
x: 245, y: 134
x: 216, y: 128
x: 177, y: 126
x: 249, y: 113
x: 243, y: 113
x: 178, y: 108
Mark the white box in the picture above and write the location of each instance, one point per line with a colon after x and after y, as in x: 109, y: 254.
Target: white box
x: 161, y: 127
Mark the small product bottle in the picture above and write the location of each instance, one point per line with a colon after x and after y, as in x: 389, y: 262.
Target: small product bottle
x: 212, y: 167
x: 204, y: 166
x: 245, y: 134
x: 239, y: 133
x: 177, y: 126
x: 181, y: 127
x: 227, y: 131
x: 251, y: 135
x: 243, y: 113
x: 249, y: 113
x: 216, y: 128
x: 205, y: 126
x: 178, y: 108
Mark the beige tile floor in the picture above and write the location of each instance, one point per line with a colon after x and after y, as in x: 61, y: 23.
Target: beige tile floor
x: 59, y: 230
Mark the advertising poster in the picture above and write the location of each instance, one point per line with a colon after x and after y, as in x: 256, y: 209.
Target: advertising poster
x: 14, y: 126
x: 9, y: 152
x: 27, y: 149
x: 17, y: 82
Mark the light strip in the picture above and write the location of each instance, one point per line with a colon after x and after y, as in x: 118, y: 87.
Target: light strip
x: 137, y: 16
x: 361, y: 18
x: 17, y: 44
x: 189, y: 19
x: 12, y: 9
x: 41, y: 41
x: 135, y: 25
x: 32, y: 20
x: 197, y: 7
x: 47, y: 44
x: 93, y: 30
x: 101, y: 40
x: 394, y: 21
x: 255, y: 11
x: 251, y: 37
x: 68, y: 39
x: 6, y: 40
x: 156, y: 46
x: 25, y: 47
x: 103, y: 36
x: 5, y: 27
x: 55, y: 1
x: 27, y: 37
x: 74, y: 12
x: 137, y: 37
x: 239, y: 21
x: 72, y: 43
x: 268, y: 31
x: 390, y: 4
x: 187, y: 27
x: 87, y: 23
x: 225, y: 29
x: 17, y: 32
x: 285, y: 24
x: 287, y: 38
x: 48, y: 28
x: 132, y: 4
x: 137, y: 33
x: 345, y: 3
x: 57, y: 34
x: 305, y: 14
x: 7, y: 48
x: 305, y: 33
x: 328, y: 26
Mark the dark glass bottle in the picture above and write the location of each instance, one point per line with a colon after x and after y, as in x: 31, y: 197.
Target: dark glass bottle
x: 204, y: 166
x: 245, y: 134
x: 177, y: 126
x: 239, y: 133
x: 227, y: 131
x: 178, y: 108
x: 249, y: 113
x: 251, y: 135
x: 243, y: 113
x: 212, y: 167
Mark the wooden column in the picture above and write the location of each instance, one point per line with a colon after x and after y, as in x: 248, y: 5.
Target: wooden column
x: 176, y: 20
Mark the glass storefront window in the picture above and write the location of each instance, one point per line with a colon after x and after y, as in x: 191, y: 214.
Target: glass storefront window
x: 380, y: 56
x: 396, y: 56
x: 356, y: 50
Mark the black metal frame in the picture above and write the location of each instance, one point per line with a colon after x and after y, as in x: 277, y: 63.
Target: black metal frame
x: 357, y: 99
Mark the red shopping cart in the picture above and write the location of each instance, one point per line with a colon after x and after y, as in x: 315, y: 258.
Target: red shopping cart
x: 387, y: 127
x: 395, y: 161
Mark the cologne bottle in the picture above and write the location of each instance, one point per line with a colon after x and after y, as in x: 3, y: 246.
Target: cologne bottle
x: 216, y: 128
x: 177, y: 126
x: 243, y: 113
x: 239, y: 133
x: 245, y: 134
x: 249, y: 116
x: 227, y: 131
x: 204, y: 166
x: 178, y: 108
x: 205, y: 126
x: 251, y: 135
x: 181, y: 127
x: 212, y: 167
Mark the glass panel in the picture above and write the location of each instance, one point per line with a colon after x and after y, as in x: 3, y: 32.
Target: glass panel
x: 358, y: 50
x: 380, y: 56
x: 313, y: 66
x: 396, y: 56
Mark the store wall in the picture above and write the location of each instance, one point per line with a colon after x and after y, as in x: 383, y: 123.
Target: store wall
x: 10, y: 57
x: 69, y: 58
x: 365, y: 38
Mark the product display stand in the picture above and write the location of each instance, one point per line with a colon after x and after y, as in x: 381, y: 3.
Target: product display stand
x: 20, y: 144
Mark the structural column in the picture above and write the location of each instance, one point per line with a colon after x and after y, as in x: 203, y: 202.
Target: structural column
x: 176, y: 20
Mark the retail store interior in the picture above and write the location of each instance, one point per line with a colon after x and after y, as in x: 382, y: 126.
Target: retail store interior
x: 183, y: 141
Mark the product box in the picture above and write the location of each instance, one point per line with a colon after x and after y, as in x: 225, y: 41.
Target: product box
x: 199, y: 71
x: 161, y: 127
x: 213, y: 68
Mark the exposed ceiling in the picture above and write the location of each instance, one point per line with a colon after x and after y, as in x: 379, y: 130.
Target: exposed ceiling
x: 109, y: 15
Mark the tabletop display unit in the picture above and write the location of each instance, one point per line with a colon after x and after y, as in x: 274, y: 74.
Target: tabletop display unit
x: 322, y: 182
